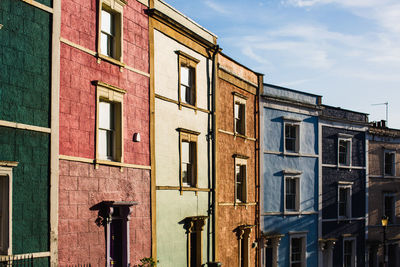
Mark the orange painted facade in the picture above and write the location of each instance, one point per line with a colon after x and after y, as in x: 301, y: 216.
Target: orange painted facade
x: 237, y: 220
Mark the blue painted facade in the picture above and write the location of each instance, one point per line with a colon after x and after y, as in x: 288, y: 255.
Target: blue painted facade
x: 279, y: 107
x: 346, y: 223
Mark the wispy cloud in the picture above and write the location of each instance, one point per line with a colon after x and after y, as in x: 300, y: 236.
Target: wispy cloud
x: 386, y: 13
x: 222, y: 9
x: 346, y: 3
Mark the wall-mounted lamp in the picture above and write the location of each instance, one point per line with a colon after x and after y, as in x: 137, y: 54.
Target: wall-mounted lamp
x: 1, y: 26
x: 136, y: 137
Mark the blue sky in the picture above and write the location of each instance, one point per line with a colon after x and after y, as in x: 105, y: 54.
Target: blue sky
x: 348, y: 51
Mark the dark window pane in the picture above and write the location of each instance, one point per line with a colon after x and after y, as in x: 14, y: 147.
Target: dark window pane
x: 290, y: 194
x: 389, y: 159
x: 290, y: 137
x: 296, y: 252
x: 389, y: 208
x: 193, y: 250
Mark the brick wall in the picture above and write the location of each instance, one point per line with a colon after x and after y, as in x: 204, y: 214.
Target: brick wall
x: 330, y: 146
x: 378, y: 186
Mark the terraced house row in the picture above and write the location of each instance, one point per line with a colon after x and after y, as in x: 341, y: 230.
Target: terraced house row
x: 127, y: 134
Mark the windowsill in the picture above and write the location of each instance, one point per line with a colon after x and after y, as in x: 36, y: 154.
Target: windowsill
x: 290, y: 153
x: 193, y: 189
x: 4, y: 163
x: 188, y: 186
x: 390, y: 176
x: 240, y: 135
x: 344, y: 166
x: 186, y: 105
x: 241, y: 204
x: 109, y: 162
x: 110, y: 60
x: 291, y: 213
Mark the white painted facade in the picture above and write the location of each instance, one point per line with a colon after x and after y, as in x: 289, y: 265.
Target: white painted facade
x: 172, y: 205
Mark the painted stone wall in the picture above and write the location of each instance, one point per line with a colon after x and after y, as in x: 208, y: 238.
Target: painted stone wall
x: 274, y: 221
x: 79, y: 69
x: 230, y: 214
x: 172, y: 207
x: 25, y: 71
x: 81, y: 240
x: 30, y: 188
x: 25, y: 64
x: 82, y: 184
x: 284, y: 225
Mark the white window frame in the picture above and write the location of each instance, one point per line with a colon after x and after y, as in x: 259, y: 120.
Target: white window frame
x: 292, y: 175
x: 241, y: 161
x: 6, y: 244
x: 108, y: 130
x: 392, y: 217
x: 393, y: 152
x: 348, y: 187
x: 354, y: 251
x: 348, y: 139
x: 240, y: 101
x: 303, y: 237
x: 115, y: 8
x: 294, y: 123
x: 187, y: 61
x: 192, y: 161
x: 190, y: 137
x: 114, y: 95
x: 187, y: 90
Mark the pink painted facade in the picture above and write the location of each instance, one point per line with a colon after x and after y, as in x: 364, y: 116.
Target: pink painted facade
x: 82, y: 183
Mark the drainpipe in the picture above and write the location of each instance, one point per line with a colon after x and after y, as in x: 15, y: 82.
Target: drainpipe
x: 214, y: 144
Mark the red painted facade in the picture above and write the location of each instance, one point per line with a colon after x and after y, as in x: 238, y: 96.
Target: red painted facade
x: 81, y: 184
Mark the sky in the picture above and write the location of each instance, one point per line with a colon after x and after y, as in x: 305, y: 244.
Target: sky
x: 347, y: 51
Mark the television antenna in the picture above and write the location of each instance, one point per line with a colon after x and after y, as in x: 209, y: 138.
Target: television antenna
x: 387, y: 110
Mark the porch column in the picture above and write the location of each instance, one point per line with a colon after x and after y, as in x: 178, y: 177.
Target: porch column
x: 275, y: 250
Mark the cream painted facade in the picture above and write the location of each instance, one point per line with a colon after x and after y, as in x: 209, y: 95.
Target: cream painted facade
x: 179, y: 208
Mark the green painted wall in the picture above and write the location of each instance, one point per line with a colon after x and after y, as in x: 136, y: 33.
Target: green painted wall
x: 25, y: 78
x: 46, y: 2
x: 171, y: 234
x: 30, y: 187
x: 25, y: 53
